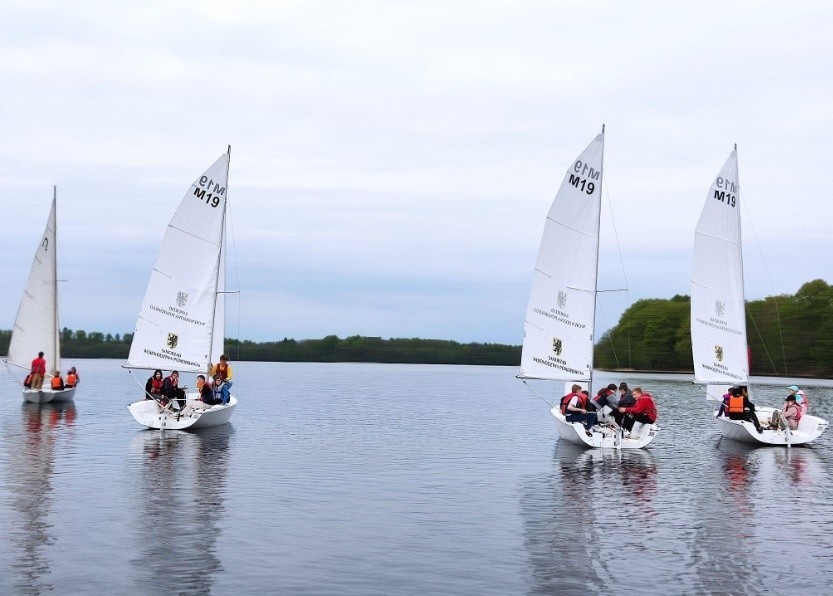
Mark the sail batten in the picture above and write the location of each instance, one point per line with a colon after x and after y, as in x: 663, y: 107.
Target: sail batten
x: 177, y: 322
x: 718, y: 307
x: 558, y: 326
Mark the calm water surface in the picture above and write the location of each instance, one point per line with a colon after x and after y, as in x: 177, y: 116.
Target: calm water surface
x: 388, y: 479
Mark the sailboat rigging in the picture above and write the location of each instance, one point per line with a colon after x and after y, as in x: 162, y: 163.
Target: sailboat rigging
x: 560, y: 318
x: 37, y: 326
x: 181, y: 321
x: 718, y: 315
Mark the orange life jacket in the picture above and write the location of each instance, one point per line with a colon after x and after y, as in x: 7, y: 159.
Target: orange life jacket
x: 735, y: 404
x: 57, y: 383
x: 71, y: 380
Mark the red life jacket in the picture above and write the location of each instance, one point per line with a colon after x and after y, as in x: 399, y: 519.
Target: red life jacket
x: 156, y: 386
x: 582, y: 402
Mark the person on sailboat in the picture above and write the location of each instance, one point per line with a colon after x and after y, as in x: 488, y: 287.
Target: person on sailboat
x: 38, y: 371
x: 222, y: 368
x: 626, y: 400
x: 73, y: 372
x: 57, y: 381
x: 574, y: 408
x: 740, y: 408
x: 790, y: 415
x: 171, y: 390
x: 207, y: 394
x: 644, y: 410
x: 605, y: 402
x: 153, y: 387
x: 800, y: 398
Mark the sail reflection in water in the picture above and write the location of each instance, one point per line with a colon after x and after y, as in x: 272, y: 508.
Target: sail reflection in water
x: 47, y: 428
x: 181, y: 497
x: 576, y: 518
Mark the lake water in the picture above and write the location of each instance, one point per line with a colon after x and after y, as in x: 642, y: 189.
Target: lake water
x: 400, y: 479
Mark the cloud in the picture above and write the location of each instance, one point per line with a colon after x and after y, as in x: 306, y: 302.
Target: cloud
x: 392, y: 163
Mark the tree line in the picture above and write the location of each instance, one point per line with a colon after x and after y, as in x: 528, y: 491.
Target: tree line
x: 80, y: 344
x: 788, y: 335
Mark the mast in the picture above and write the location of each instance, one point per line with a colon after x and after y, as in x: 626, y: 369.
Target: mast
x: 596, y: 289
x: 742, y: 280
x: 221, y: 256
x: 56, y: 339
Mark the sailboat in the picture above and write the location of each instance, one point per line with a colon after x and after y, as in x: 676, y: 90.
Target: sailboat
x: 718, y: 314
x: 182, y: 318
x: 37, y: 328
x: 560, y: 317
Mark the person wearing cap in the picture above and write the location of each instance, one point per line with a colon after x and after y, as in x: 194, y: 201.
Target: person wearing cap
x: 800, y: 398
x: 791, y: 414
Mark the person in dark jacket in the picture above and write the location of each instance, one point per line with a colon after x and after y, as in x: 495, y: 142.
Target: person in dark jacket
x: 172, y: 391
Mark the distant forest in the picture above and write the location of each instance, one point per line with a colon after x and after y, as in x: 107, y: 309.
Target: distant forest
x: 80, y: 344
x: 788, y: 336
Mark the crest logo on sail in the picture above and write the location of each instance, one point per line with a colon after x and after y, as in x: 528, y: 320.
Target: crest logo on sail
x: 718, y: 353
x: 172, y: 340
x: 562, y: 299
x: 719, y: 308
x: 556, y: 346
x: 181, y: 299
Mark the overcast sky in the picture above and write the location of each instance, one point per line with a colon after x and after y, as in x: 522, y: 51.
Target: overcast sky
x: 393, y: 162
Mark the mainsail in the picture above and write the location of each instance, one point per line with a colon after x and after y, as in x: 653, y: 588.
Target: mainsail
x: 718, y: 315
x: 180, y: 323
x: 36, y: 326
x: 558, y: 329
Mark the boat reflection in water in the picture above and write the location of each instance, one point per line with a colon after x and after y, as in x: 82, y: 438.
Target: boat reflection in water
x: 181, y: 497
x: 577, y: 517
x: 47, y: 428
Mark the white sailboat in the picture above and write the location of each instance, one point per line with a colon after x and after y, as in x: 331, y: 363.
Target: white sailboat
x: 37, y: 327
x: 718, y: 313
x: 560, y: 318
x: 182, y: 318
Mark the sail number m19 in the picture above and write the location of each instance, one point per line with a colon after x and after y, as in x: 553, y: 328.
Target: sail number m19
x: 725, y: 191
x: 211, y: 192
x: 584, y: 184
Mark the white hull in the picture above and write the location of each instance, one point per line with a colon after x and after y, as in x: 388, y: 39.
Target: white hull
x: 149, y: 413
x: 48, y: 396
x: 809, y: 429
x: 601, y: 437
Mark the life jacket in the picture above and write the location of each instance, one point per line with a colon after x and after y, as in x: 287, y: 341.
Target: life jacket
x: 71, y: 380
x: 735, y: 404
x: 582, y: 402
x: 221, y: 369
x: 804, y: 404
x: 57, y: 383
x: 27, y: 382
x: 156, y: 385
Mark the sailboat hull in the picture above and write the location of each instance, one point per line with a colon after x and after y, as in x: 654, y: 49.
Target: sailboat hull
x: 809, y: 429
x: 48, y: 396
x: 601, y: 437
x: 150, y: 414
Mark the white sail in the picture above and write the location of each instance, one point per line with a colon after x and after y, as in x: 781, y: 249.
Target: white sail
x: 558, y: 329
x: 718, y: 315
x: 176, y: 323
x: 36, y: 326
